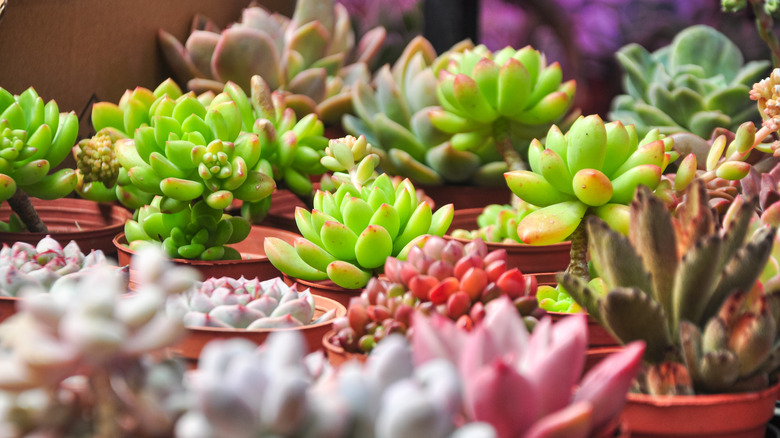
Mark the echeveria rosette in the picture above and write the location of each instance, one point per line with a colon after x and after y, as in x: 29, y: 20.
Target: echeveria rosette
x: 595, y: 168
x: 688, y: 287
x: 493, y: 103
x: 312, y: 57
x: 349, y: 233
x: 34, y: 139
x: 696, y: 84
x: 195, y: 232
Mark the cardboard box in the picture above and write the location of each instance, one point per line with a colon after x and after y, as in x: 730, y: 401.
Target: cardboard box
x: 83, y: 51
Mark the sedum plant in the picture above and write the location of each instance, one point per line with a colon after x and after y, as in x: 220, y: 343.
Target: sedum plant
x: 498, y: 223
x: 438, y: 276
x: 245, y: 304
x: 34, y: 139
x: 696, y: 84
x: 312, y: 57
x: 686, y: 287
x: 350, y: 233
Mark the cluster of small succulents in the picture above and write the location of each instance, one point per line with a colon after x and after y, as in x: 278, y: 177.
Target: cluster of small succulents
x: 681, y: 284
x: 246, y: 304
x: 23, y: 265
x: 695, y: 84
x: 312, y: 57
x: 557, y: 299
x: 350, y: 233
x: 445, y: 277
x: 497, y: 223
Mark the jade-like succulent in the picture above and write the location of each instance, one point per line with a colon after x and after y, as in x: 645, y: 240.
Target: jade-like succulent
x: 497, y: 102
x: 696, y: 84
x: 312, y: 57
x: 686, y: 287
x: 498, y: 223
x: 529, y: 385
x: 195, y: 232
x: 24, y: 265
x: 350, y: 233
x: 75, y: 358
x: 595, y: 168
x: 245, y: 304
x: 447, y: 277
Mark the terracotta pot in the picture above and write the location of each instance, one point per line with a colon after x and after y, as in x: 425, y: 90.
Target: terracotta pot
x: 282, y: 212
x: 530, y: 259
x: 326, y: 288
x: 598, y: 336
x: 7, y: 307
x: 463, y: 197
x: 743, y: 415
x: 197, y: 337
x: 595, y: 355
x: 254, y: 264
x: 92, y: 225
x: 337, y: 355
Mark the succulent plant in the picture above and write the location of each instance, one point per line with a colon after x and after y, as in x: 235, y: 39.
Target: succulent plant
x: 680, y: 284
x: 595, y: 168
x: 764, y: 188
x: 23, y: 265
x: 500, y: 101
x: 312, y: 57
x: 557, y: 299
x: 245, y: 304
x: 524, y: 385
x: 350, y: 233
x: 696, y: 84
x: 446, y: 277
x: 75, y: 357
x: 196, y: 232
x: 498, y: 223
x: 34, y: 139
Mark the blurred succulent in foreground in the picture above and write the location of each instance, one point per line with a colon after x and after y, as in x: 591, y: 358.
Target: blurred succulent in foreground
x: 24, y: 265
x: 686, y: 287
x: 245, y: 304
x: 498, y: 223
x: 350, y: 233
x: 529, y: 385
x: 34, y: 138
x: 74, y: 358
x: 696, y: 84
x: 312, y: 57
x: 446, y: 277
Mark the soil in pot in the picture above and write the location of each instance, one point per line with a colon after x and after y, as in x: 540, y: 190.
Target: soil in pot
x: 530, y: 259
x: 91, y: 224
x: 253, y: 264
x: 197, y: 337
x: 336, y: 354
x: 741, y: 415
x: 325, y: 288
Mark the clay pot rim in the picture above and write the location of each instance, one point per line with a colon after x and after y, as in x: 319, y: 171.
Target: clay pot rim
x: 703, y: 399
x: 330, y: 346
x: 74, y: 205
x: 320, y: 303
x: 120, y: 241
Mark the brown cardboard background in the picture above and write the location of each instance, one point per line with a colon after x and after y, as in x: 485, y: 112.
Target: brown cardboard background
x: 72, y: 50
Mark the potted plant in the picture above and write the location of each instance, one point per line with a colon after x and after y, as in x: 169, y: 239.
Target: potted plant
x: 350, y: 233
x: 688, y: 289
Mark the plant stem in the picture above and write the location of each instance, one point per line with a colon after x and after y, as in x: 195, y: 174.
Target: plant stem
x: 764, y: 24
x: 21, y: 205
x: 106, y: 411
x: 578, y: 266
x: 504, y: 145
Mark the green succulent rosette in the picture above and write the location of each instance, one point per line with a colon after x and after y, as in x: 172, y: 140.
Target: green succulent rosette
x: 34, y: 139
x: 594, y: 168
x: 696, y: 84
x: 349, y: 233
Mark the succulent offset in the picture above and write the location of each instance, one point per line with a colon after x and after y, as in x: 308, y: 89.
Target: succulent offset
x: 696, y: 84
x: 350, y: 233
x: 245, y: 304
x: 312, y: 57
x: 34, y: 139
x: 497, y: 223
x: 23, y: 265
x: 446, y: 277
x: 594, y: 168
x: 687, y: 288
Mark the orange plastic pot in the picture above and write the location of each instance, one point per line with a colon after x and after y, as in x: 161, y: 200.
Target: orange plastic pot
x: 337, y: 355
x: 530, y: 259
x: 742, y: 415
x: 91, y: 224
x: 197, y: 337
x: 326, y: 288
x: 253, y: 264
